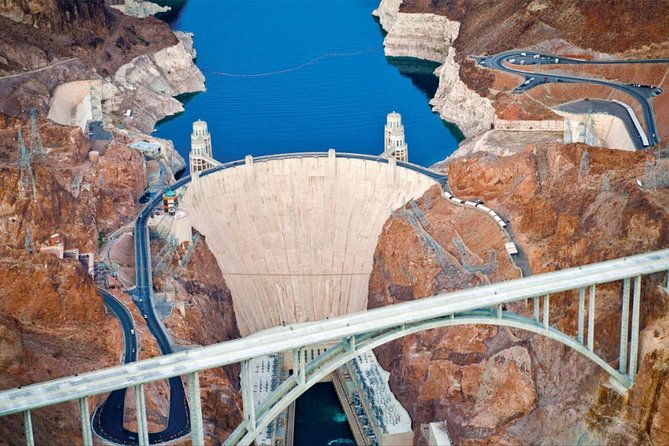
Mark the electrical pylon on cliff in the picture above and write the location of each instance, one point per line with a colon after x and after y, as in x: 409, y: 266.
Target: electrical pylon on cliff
x: 27, y: 179
x: 36, y: 144
x: 28, y: 242
x: 584, y: 168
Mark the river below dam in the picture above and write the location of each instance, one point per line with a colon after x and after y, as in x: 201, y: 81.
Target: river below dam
x: 320, y: 420
x: 302, y: 75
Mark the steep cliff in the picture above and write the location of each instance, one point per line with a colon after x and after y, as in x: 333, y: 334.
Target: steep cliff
x: 430, y: 36
x: 507, y: 24
x: 134, y: 64
x: 148, y: 84
x: 44, y: 45
x: 208, y: 317
x: 39, y: 32
x: 53, y: 321
x: 499, y: 386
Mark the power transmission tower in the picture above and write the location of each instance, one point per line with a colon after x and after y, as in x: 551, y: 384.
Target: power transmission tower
x: 36, y: 144
x: 28, y: 242
x: 584, y: 168
x: 589, y: 135
x: 27, y: 179
x: 606, y: 183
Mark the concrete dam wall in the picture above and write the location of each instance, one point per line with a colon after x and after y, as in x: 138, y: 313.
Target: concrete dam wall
x: 295, y: 238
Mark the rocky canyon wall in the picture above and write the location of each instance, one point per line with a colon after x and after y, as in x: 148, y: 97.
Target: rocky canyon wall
x: 142, y: 63
x: 53, y: 321
x: 471, y: 96
x: 431, y: 36
x: 57, y: 15
x: 203, y: 314
x: 499, y: 386
x: 148, y: 84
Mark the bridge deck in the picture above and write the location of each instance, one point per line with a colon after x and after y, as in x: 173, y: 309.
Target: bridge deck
x: 280, y: 339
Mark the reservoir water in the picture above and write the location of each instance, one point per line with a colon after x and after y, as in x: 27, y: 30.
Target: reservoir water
x: 302, y: 75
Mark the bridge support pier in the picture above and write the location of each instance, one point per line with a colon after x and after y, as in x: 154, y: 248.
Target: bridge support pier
x: 86, y: 432
x: 350, y: 344
x: 591, y: 319
x: 624, y: 327
x: 28, y: 428
x: 581, y: 314
x: 298, y: 366
x: 247, y: 395
x: 546, y: 310
x: 634, y: 340
x: 195, y: 404
x: 142, y: 425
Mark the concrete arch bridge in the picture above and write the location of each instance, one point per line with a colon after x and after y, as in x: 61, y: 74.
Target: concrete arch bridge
x: 359, y: 332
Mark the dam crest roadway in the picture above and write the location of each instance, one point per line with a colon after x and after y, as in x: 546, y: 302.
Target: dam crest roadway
x: 352, y: 334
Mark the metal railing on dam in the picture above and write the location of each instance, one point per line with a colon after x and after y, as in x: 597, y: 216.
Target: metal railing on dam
x: 361, y: 332
x: 437, y: 176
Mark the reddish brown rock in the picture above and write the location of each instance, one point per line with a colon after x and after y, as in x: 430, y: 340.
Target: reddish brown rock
x: 53, y: 321
x: 563, y: 212
x: 506, y: 388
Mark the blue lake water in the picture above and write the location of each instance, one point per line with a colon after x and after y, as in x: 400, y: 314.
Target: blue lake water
x: 324, y: 81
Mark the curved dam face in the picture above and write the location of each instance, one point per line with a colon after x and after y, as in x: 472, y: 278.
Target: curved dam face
x: 295, y: 238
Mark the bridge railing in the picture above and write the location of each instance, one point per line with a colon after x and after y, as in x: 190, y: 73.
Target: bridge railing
x: 365, y: 330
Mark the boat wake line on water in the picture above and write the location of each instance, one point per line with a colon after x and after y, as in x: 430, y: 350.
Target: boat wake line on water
x: 297, y: 67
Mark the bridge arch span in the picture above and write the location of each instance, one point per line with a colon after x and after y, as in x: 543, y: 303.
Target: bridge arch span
x: 359, y: 332
x: 314, y: 371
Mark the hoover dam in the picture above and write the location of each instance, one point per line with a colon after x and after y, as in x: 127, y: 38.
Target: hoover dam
x: 295, y: 237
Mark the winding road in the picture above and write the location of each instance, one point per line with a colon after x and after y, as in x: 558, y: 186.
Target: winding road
x: 108, y: 418
x: 641, y: 93
x: 37, y: 70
